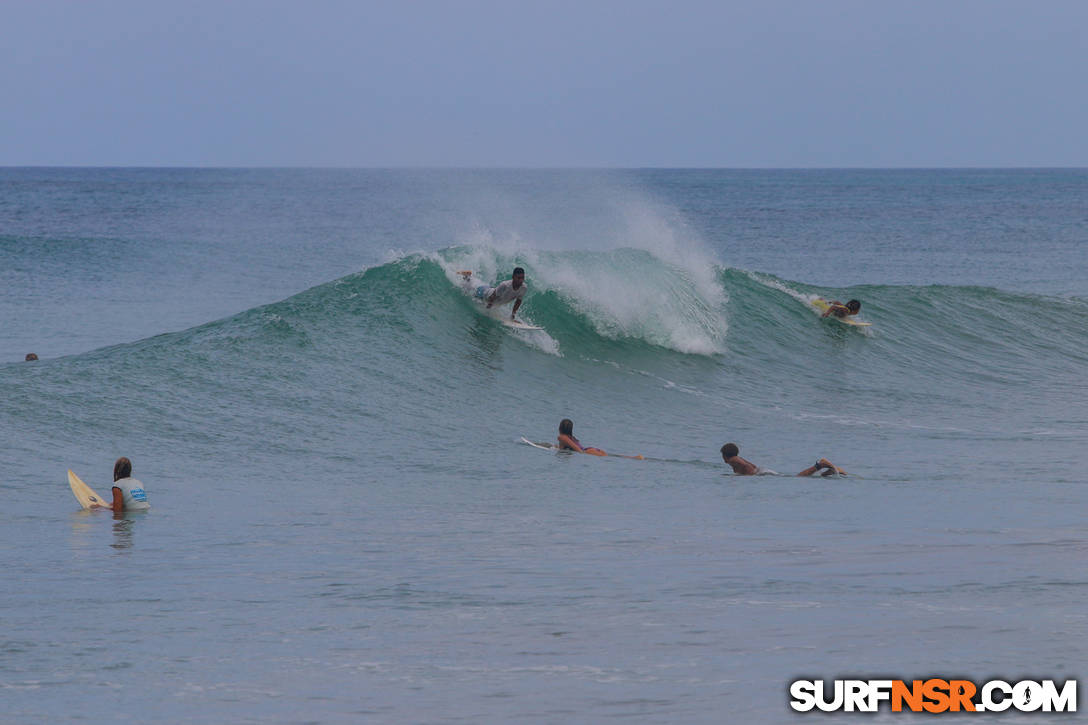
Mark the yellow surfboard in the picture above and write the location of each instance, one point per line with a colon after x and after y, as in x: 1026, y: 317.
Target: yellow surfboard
x: 85, y: 494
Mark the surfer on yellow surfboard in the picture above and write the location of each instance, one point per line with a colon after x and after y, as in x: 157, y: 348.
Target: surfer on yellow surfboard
x: 845, y: 313
x: 840, y: 310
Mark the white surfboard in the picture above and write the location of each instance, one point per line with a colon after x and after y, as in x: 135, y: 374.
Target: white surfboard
x: 85, y: 494
x: 517, y: 324
x: 554, y: 447
x: 823, y: 306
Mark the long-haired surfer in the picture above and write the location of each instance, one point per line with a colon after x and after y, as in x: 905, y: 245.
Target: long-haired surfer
x: 128, y: 492
x: 512, y: 290
x: 567, y: 441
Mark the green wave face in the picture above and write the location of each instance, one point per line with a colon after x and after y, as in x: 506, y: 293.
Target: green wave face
x: 403, y: 338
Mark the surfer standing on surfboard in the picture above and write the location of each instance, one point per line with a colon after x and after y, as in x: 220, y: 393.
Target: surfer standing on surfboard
x: 838, y: 309
x: 512, y: 289
x: 742, y: 467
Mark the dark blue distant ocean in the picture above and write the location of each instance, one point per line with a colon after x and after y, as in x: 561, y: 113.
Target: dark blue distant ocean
x: 346, y: 526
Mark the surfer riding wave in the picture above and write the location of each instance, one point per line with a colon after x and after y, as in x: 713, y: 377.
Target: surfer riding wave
x: 512, y: 290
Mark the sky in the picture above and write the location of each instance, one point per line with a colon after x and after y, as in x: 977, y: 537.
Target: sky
x: 587, y: 83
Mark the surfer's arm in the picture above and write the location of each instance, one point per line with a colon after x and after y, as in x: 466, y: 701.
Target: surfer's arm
x: 565, y: 441
x: 838, y: 309
x: 118, y: 501
x: 832, y: 469
x: 517, y: 304
x: 743, y: 467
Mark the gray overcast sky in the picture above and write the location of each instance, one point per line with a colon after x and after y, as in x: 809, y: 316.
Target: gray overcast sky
x: 765, y: 83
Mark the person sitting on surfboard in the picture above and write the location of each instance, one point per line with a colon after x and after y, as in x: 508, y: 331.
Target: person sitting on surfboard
x: 838, y: 309
x: 128, y: 493
x: 567, y: 441
x: 742, y: 467
x: 512, y: 289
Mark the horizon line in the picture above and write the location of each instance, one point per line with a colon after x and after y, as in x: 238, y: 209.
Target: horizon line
x: 422, y: 167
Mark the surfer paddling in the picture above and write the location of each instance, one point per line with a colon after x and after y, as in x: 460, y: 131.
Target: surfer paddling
x: 742, y: 467
x: 567, y: 442
x: 512, y: 290
x: 840, y: 310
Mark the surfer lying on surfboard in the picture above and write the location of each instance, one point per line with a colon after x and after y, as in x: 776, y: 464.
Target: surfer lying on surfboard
x: 840, y: 310
x: 567, y: 441
x: 742, y: 467
x: 512, y: 289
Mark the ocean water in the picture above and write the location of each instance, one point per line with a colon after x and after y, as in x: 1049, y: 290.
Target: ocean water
x: 346, y: 526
